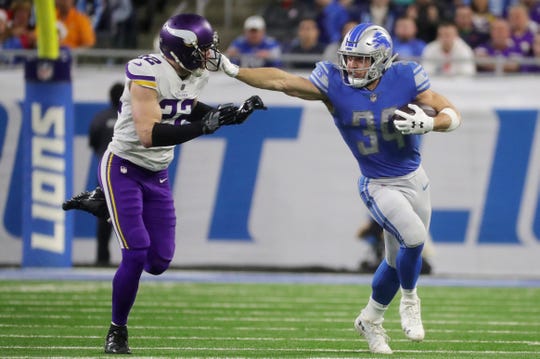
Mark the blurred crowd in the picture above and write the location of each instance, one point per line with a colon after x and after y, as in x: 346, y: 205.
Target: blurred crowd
x: 450, y: 37
x: 453, y: 37
x: 80, y: 23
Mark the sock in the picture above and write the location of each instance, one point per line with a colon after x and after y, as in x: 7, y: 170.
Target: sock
x: 126, y: 284
x: 374, y: 311
x: 409, y: 263
x: 385, y: 283
x: 409, y: 294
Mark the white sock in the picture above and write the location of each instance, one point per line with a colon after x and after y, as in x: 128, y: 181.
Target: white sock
x: 374, y: 310
x: 409, y: 294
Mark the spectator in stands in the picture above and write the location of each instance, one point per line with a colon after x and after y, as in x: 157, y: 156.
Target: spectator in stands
x: 533, y: 7
x: 523, y: 37
x: 7, y: 40
x: 406, y: 44
x: 151, y: 10
x: 94, y: 9
x: 254, y: 48
x: 378, y: 12
x: 80, y: 32
x: 482, y: 16
x: 500, y: 47
x: 448, y: 54
x: 123, y: 23
x: 306, y: 42
x: 330, y: 52
x: 331, y: 18
x: 428, y: 16
x: 534, y: 64
x: 21, y: 27
x: 463, y: 17
x: 283, y: 17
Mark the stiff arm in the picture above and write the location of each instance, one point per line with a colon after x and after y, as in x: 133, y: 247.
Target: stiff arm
x: 274, y: 79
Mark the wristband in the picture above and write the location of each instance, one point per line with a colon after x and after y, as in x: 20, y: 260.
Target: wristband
x: 454, y: 119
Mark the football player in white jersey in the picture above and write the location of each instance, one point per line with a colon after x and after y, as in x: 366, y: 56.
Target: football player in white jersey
x: 362, y: 93
x: 159, y: 109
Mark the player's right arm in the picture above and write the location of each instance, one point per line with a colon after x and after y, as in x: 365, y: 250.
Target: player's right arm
x: 274, y: 79
x: 146, y: 112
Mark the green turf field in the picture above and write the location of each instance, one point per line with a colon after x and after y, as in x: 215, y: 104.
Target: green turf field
x: 204, y: 320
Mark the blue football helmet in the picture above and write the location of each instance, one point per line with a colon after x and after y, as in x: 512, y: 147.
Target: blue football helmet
x: 368, y: 41
x: 190, y: 41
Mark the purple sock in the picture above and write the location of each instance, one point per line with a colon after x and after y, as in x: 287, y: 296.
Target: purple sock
x: 409, y: 263
x: 126, y: 283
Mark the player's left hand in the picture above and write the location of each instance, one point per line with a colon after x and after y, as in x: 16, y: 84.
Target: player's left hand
x: 416, y: 123
x: 251, y: 104
x: 225, y: 114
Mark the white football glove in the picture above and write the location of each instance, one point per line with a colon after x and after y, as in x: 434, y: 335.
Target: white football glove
x: 416, y: 124
x: 227, y: 66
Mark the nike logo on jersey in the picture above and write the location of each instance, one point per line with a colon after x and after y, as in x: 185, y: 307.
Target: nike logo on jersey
x: 162, y: 180
x: 424, y: 187
x: 138, y: 63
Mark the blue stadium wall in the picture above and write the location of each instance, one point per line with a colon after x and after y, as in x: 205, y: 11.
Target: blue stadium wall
x: 281, y: 190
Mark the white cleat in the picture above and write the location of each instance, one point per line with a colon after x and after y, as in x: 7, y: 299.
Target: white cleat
x: 374, y: 334
x: 411, y: 321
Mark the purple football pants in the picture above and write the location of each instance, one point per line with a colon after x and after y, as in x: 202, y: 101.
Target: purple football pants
x: 143, y: 217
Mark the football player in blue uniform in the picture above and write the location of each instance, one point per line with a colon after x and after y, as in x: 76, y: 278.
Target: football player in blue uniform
x: 364, y: 93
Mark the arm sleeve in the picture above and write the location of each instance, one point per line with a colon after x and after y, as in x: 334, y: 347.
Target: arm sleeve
x: 199, y: 111
x: 167, y: 135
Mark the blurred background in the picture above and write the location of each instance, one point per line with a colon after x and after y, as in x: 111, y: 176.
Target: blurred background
x: 280, y: 192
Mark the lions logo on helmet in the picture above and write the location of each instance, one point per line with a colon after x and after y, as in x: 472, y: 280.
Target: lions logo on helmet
x: 370, y: 42
x: 190, y: 41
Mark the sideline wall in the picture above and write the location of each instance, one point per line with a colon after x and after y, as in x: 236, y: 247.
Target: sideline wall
x: 281, y: 189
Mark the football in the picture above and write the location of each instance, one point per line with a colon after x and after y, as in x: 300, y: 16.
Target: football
x: 430, y: 111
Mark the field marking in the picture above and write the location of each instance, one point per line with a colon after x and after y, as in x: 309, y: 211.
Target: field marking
x: 272, y: 339
x: 452, y: 308
x: 285, y: 320
x: 318, y: 350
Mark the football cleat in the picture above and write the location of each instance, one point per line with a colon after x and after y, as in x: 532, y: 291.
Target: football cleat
x: 89, y: 201
x: 117, y: 340
x: 411, y: 321
x: 374, y: 334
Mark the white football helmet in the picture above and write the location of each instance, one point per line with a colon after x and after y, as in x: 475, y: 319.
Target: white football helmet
x: 368, y: 41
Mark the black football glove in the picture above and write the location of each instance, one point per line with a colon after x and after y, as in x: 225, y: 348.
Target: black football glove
x: 251, y: 104
x: 215, y: 118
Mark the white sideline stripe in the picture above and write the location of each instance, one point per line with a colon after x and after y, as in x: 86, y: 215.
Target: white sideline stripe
x: 453, y: 307
x: 261, y: 314
x: 272, y: 339
x: 289, y: 319
x: 320, y: 350
x: 174, y: 327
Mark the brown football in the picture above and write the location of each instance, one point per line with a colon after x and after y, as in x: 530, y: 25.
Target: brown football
x: 430, y: 111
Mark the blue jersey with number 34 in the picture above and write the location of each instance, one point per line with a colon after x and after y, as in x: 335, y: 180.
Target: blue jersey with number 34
x: 363, y: 117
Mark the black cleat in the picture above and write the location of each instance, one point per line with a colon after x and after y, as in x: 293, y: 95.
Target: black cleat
x: 117, y: 340
x: 89, y: 201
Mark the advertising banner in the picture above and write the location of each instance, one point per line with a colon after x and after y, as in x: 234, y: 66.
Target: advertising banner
x: 281, y: 190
